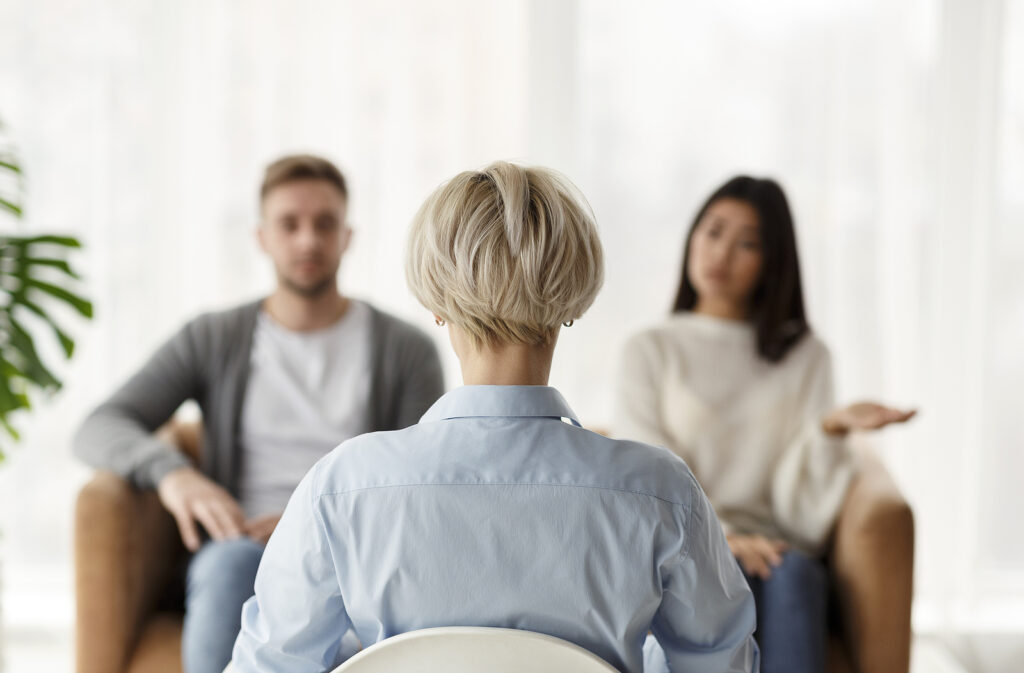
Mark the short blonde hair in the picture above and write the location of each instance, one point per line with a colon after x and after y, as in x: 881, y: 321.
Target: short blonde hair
x: 507, y: 253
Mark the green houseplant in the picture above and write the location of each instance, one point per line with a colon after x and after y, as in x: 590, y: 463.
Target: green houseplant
x: 34, y: 277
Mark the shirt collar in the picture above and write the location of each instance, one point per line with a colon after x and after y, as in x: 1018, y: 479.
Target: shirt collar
x: 509, y: 401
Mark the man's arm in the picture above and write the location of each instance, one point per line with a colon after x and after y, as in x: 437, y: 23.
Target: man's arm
x: 118, y: 435
x: 706, y: 620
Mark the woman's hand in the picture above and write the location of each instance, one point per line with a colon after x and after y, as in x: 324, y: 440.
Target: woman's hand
x: 757, y: 554
x: 863, y: 416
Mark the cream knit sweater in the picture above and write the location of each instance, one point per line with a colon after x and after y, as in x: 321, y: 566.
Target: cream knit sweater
x: 750, y: 430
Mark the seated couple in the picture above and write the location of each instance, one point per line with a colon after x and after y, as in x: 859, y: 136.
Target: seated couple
x: 489, y: 506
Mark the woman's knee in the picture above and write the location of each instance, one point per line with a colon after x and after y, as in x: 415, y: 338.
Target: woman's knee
x: 801, y: 569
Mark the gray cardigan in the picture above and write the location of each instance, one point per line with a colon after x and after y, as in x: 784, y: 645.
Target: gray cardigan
x: 208, y: 361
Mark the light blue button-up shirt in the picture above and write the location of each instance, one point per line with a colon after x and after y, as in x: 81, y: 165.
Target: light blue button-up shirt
x: 495, y: 511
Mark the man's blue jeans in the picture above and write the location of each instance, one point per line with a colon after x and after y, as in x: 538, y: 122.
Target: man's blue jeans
x: 220, y: 579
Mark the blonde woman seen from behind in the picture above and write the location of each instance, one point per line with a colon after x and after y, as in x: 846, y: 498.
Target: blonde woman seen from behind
x: 497, y: 508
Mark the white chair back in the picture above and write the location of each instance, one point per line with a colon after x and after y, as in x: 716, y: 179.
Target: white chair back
x: 467, y: 649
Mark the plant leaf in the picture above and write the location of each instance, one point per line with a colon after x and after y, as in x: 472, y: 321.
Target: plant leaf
x: 9, y: 370
x: 9, y: 400
x: 66, y: 342
x: 54, y: 263
x: 20, y: 342
x: 11, y: 431
x: 10, y: 165
x: 66, y: 241
x: 7, y: 205
x: 84, y: 307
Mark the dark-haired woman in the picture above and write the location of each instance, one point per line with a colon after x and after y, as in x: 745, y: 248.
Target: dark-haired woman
x: 737, y: 385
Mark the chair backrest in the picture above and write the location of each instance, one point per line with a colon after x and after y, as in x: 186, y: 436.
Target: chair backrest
x: 467, y: 649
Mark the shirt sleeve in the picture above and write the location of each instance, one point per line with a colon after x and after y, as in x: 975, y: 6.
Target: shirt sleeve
x: 814, y: 473
x: 637, y: 414
x: 296, y: 620
x: 118, y: 435
x: 706, y: 619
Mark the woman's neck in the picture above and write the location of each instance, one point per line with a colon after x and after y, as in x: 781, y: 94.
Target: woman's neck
x: 721, y: 308
x: 507, y: 365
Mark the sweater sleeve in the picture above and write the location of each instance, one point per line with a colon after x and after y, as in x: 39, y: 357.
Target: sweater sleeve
x: 415, y: 379
x: 118, y: 435
x: 813, y: 474
x: 423, y: 383
x: 637, y: 411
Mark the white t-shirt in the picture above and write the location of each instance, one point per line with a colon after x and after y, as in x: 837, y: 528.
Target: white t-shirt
x: 307, y: 392
x: 749, y: 429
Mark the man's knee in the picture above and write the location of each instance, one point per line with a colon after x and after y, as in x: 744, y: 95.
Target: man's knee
x: 228, y: 565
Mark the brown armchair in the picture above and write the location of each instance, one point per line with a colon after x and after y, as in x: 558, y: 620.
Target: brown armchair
x: 127, y: 552
x: 128, y: 555
x: 871, y: 563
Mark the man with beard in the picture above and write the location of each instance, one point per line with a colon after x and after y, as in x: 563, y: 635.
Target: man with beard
x: 280, y: 381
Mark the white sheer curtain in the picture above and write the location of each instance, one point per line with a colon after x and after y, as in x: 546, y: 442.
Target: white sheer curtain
x: 895, y: 127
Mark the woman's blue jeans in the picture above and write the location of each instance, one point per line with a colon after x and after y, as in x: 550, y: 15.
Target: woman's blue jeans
x: 792, y: 624
x: 792, y: 621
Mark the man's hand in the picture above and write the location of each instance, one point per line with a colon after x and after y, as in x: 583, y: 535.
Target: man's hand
x: 863, y: 416
x: 260, y: 527
x: 757, y: 554
x: 190, y: 497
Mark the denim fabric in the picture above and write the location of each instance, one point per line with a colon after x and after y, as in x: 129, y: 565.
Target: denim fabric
x: 792, y: 626
x: 220, y: 579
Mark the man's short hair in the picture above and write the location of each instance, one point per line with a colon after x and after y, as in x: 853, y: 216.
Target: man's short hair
x: 507, y: 253
x: 301, y: 167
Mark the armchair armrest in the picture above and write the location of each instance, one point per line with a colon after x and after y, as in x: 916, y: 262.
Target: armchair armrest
x: 872, y: 561
x: 126, y: 547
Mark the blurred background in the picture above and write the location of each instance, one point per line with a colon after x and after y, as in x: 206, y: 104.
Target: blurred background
x: 897, y: 129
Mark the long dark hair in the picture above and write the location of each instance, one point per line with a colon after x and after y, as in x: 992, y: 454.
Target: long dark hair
x: 777, y: 303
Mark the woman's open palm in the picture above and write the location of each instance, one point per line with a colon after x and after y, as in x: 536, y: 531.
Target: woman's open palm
x: 864, y: 416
